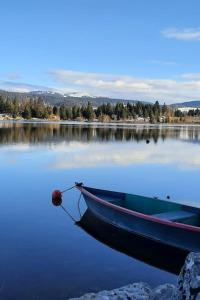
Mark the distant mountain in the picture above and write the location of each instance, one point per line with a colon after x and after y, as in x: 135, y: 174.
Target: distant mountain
x: 194, y: 104
x: 70, y: 99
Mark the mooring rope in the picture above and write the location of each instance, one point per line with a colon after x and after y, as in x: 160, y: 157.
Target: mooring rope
x: 79, y: 210
x: 68, y: 189
x: 69, y: 215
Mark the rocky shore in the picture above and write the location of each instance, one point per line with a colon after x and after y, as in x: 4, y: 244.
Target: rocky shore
x: 187, y: 287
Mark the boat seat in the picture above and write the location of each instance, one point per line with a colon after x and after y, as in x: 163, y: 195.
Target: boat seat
x: 175, y: 215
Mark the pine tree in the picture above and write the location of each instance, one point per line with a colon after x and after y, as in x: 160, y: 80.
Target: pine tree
x: 15, y: 108
x: 2, y: 105
x: 26, y: 114
x: 56, y: 110
x: 90, y: 112
x: 62, y: 112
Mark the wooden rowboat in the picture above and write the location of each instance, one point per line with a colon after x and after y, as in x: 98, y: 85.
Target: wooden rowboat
x: 174, y: 224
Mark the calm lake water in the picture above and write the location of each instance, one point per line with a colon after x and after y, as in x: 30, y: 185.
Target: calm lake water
x: 43, y: 254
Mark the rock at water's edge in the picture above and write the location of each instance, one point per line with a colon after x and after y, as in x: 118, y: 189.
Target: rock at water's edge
x: 164, y: 292
x: 135, y: 291
x: 189, y: 278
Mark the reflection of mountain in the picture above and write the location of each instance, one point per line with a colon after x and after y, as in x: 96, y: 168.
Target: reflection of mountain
x: 51, y: 132
x: 155, y: 254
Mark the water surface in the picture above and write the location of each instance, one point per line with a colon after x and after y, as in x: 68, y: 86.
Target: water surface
x: 43, y: 254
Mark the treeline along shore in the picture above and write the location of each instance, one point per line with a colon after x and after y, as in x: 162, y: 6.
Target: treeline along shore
x: 13, y: 108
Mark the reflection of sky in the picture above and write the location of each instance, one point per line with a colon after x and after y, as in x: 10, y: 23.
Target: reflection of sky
x: 77, y: 155
x: 92, y: 155
x: 170, y: 167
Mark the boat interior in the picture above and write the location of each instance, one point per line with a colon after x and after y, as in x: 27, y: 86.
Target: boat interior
x: 162, y: 209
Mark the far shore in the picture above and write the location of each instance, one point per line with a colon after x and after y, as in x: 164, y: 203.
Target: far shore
x: 97, y: 123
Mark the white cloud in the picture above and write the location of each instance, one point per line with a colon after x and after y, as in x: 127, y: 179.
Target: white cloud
x: 186, y: 34
x: 129, y: 87
x: 192, y: 76
x: 185, y: 87
x: 22, y: 87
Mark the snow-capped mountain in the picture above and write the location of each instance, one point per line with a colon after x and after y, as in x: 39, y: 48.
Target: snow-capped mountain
x: 56, y: 98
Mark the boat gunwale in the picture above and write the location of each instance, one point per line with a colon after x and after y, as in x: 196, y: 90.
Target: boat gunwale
x: 138, y: 214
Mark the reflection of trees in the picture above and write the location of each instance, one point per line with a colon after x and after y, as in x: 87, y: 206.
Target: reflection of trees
x: 11, y: 133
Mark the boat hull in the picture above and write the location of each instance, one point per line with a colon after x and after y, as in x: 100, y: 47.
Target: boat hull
x: 132, y: 244
x: 170, y: 235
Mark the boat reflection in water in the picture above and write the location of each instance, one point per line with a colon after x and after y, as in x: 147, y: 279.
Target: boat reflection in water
x: 153, y: 253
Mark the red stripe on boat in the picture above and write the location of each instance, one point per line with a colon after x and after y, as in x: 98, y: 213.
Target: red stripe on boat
x: 138, y: 214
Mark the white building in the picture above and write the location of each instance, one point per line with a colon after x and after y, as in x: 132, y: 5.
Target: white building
x: 186, y: 109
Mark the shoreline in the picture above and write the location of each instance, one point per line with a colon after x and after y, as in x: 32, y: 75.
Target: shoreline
x: 98, y: 123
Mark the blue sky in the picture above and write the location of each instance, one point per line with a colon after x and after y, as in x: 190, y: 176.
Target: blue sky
x: 133, y: 49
